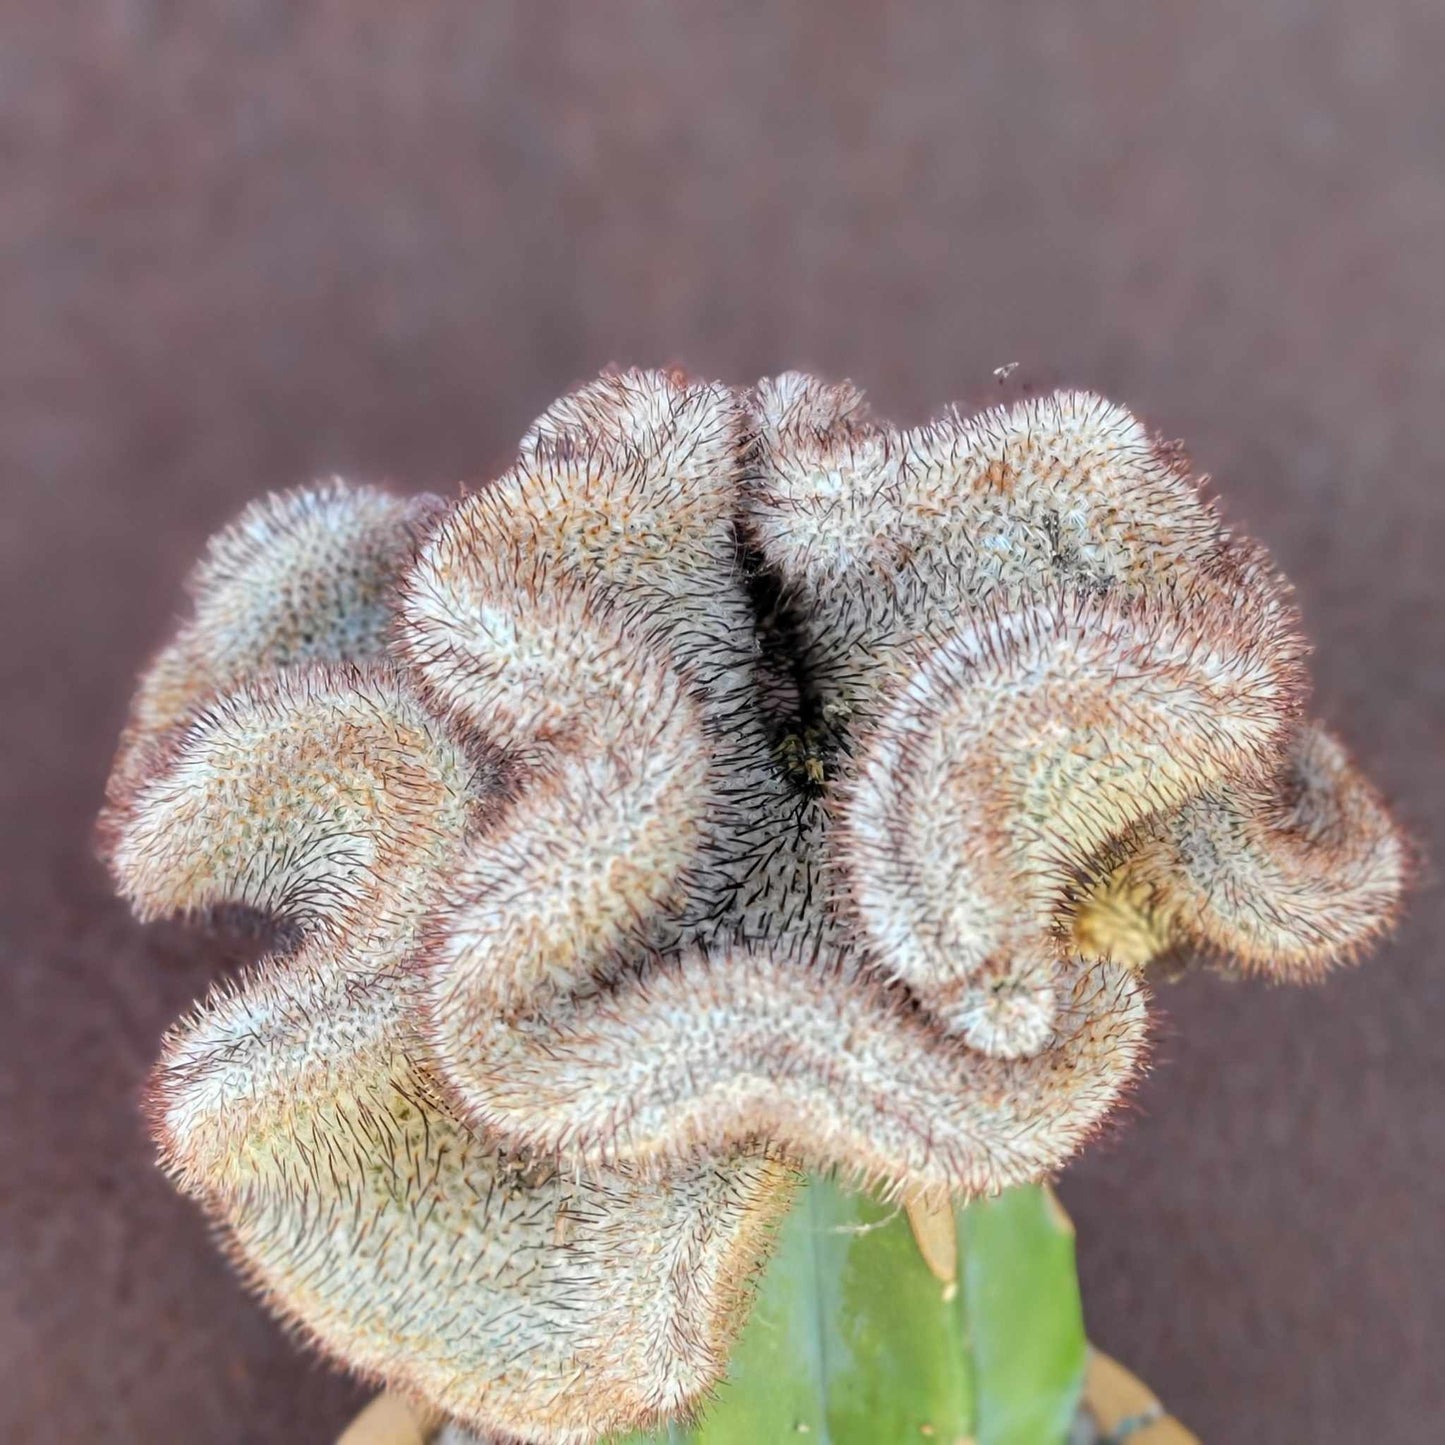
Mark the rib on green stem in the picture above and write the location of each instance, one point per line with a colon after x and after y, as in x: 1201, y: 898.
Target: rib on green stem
x: 854, y: 1342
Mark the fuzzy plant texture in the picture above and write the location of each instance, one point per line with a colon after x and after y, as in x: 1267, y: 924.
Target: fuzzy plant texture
x: 736, y: 786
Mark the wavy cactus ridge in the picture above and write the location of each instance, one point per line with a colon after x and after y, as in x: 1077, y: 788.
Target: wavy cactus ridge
x: 1287, y: 879
x: 612, y: 896
x: 303, y: 576
x: 1019, y: 748
x: 518, y: 1297
x: 684, y: 1059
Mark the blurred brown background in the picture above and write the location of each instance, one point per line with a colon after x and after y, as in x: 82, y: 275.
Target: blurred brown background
x: 243, y: 244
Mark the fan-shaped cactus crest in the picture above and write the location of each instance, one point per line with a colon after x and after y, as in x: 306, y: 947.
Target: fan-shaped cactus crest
x: 735, y: 785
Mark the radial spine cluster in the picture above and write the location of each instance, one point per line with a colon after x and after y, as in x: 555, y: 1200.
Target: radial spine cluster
x: 737, y: 785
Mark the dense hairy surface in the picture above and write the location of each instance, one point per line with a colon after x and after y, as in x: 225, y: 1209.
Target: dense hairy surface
x: 296, y: 578
x: 1017, y: 750
x: 524, y: 1300
x: 734, y: 784
x: 1286, y: 880
x: 838, y: 1072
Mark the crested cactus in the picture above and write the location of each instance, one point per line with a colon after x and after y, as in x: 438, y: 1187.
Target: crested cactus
x: 735, y: 786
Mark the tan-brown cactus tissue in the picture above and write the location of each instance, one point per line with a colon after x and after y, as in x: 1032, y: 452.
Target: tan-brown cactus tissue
x: 577, y: 967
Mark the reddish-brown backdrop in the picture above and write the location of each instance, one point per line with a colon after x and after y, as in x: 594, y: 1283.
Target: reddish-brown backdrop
x: 243, y: 244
